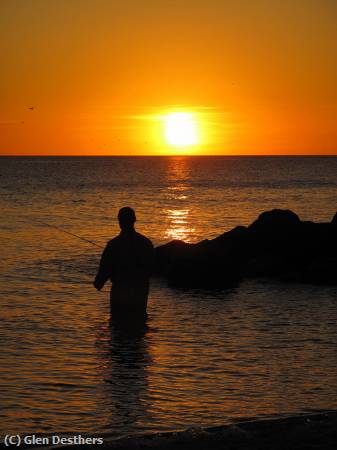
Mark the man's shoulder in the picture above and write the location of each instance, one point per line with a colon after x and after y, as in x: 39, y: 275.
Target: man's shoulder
x: 114, y: 241
x: 120, y: 241
x: 143, y: 239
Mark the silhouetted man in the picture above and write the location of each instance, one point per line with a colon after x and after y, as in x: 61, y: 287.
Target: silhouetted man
x: 126, y: 261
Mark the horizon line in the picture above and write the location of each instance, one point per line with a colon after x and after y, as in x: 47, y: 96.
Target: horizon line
x: 167, y: 155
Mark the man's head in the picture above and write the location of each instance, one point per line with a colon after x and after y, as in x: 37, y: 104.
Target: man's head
x: 126, y: 218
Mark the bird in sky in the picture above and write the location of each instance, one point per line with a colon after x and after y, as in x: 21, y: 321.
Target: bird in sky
x: 31, y: 107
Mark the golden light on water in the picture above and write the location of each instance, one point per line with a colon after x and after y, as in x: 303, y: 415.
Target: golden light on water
x: 181, y: 129
x: 178, y: 225
x: 178, y: 220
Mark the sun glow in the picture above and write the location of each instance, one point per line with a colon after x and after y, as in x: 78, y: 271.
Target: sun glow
x: 181, y: 129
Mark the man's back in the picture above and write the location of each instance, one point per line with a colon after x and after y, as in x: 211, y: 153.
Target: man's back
x: 127, y: 260
x: 129, y: 257
x: 131, y: 262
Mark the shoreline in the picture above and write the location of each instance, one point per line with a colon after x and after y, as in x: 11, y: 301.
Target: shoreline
x: 298, y: 432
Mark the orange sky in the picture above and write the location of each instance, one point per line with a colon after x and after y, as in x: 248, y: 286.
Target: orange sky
x: 259, y: 76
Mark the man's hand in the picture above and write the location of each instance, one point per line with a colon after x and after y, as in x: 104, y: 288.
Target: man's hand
x: 98, y: 284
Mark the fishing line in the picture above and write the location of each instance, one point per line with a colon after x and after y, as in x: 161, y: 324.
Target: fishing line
x: 67, y: 232
x: 62, y: 230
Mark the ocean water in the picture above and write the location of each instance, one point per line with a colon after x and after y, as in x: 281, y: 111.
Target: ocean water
x: 206, y: 357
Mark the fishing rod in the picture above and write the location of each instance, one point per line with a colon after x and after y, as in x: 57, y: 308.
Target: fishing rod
x: 67, y: 232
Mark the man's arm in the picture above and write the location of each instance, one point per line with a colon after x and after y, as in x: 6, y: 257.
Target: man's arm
x: 104, y: 270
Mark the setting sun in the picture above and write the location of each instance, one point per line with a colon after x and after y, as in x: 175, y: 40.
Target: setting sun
x: 181, y: 129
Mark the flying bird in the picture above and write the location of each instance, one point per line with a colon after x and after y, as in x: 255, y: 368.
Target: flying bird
x: 31, y: 107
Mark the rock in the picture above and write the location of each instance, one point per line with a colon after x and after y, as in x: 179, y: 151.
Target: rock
x: 320, y: 271
x: 277, y: 244
x: 206, y: 273
x: 274, y: 231
x: 208, y: 264
x: 176, y: 251
x: 276, y: 220
x: 266, y: 265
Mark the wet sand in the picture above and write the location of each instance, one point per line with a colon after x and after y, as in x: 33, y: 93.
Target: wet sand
x: 302, y: 432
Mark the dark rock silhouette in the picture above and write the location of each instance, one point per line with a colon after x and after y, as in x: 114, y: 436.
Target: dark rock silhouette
x: 277, y: 244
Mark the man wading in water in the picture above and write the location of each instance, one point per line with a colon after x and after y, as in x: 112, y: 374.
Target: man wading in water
x: 126, y: 261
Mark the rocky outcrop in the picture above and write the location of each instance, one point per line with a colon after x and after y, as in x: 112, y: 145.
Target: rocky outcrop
x: 277, y: 244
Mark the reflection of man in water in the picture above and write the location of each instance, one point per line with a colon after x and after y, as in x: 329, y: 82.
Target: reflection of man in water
x: 126, y: 261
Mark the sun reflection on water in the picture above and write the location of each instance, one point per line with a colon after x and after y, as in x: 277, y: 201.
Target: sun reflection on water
x: 178, y: 214
x: 178, y: 224
x: 178, y: 192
